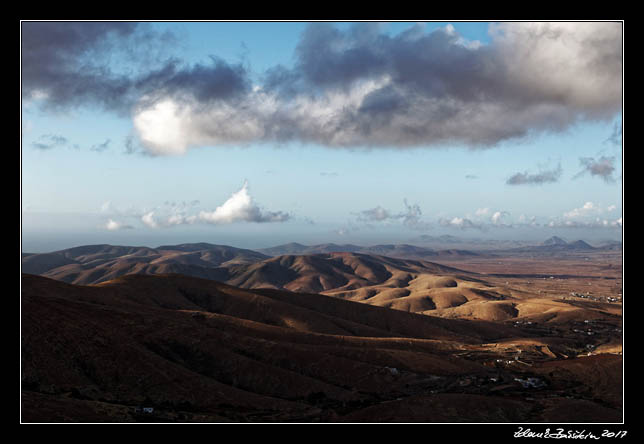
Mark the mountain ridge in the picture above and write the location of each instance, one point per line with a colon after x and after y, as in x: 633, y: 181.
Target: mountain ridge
x: 392, y: 250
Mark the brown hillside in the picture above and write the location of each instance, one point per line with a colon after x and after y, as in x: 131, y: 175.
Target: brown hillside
x: 197, y: 350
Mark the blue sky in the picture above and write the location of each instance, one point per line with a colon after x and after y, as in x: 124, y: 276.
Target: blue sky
x: 481, y: 145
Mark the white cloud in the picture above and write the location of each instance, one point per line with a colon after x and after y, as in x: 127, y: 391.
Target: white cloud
x: 497, y: 218
x: 586, y: 210
x: 148, y: 219
x: 162, y: 128
x: 485, y: 221
x: 241, y: 208
x: 589, y: 215
x: 154, y: 221
x: 113, y: 225
x: 596, y: 223
x: 462, y: 223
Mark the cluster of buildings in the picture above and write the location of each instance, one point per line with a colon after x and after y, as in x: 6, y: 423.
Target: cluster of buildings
x: 589, y: 295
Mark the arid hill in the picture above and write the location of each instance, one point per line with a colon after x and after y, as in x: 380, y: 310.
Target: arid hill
x: 177, y: 348
x: 98, y: 263
x: 414, y: 286
x: 411, y: 285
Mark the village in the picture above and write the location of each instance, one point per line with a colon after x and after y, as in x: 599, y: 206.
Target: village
x: 588, y: 295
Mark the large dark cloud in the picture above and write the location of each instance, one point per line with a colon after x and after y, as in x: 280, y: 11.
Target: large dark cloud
x: 351, y: 87
x: 200, y: 83
x: 67, y: 63
x: 328, y: 57
x: 362, y: 87
x: 115, y: 65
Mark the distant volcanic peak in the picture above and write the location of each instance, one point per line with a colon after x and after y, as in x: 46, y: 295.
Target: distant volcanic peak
x: 554, y: 240
x: 560, y: 243
x: 581, y: 245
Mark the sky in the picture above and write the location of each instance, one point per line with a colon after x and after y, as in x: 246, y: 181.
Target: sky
x: 254, y: 134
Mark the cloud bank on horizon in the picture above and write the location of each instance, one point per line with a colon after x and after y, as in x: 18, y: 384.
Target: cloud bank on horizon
x: 357, y: 87
x: 590, y: 216
x: 239, y: 207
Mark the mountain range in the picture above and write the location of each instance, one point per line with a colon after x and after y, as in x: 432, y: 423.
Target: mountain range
x: 97, y: 263
x: 503, y: 247
x: 555, y: 245
x: 405, y: 251
x: 411, y: 285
